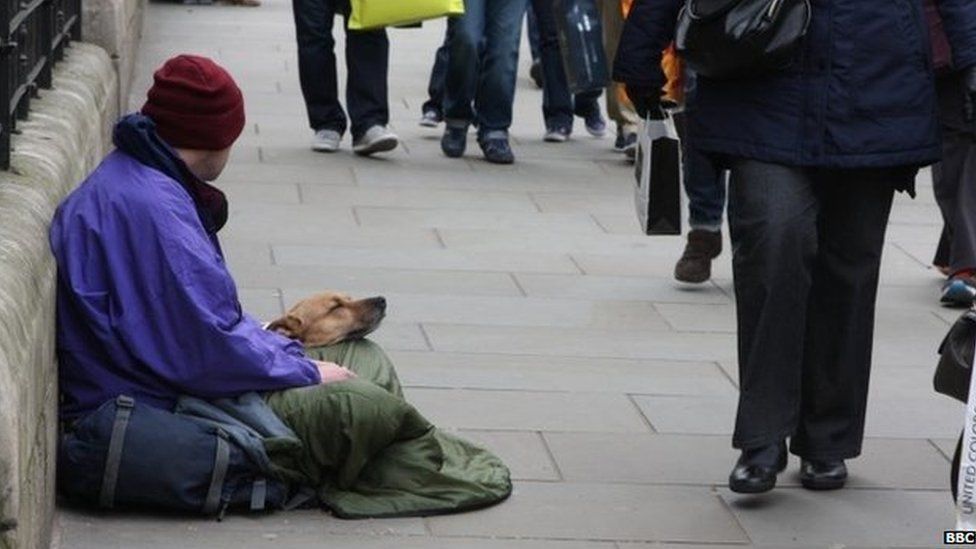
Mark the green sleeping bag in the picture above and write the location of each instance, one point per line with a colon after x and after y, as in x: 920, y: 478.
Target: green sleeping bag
x: 370, y: 454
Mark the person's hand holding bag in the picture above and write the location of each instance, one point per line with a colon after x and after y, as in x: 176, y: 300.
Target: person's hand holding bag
x: 646, y: 100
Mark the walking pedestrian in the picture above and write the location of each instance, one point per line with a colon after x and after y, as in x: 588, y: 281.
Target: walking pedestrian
x: 558, y: 104
x: 954, y: 179
x: 704, y: 183
x: 367, y: 59
x: 432, y: 111
x: 483, y: 91
x: 816, y: 151
x: 619, y: 108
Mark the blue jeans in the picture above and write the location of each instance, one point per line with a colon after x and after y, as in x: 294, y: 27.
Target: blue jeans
x: 705, y: 182
x: 705, y: 187
x: 558, y: 105
x: 498, y: 25
x: 435, y: 89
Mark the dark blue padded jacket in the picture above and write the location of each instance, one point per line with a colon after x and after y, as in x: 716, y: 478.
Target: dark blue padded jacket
x: 859, y: 93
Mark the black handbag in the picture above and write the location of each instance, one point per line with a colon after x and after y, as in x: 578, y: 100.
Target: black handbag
x: 956, y: 363
x: 581, y: 44
x: 735, y: 38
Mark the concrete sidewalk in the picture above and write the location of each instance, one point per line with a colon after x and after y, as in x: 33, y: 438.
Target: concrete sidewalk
x: 528, y: 313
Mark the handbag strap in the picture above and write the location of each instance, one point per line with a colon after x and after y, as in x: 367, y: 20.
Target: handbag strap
x: 113, y: 460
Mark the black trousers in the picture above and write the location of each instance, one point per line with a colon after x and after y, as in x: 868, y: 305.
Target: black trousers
x: 367, y: 61
x: 954, y: 179
x: 806, y: 258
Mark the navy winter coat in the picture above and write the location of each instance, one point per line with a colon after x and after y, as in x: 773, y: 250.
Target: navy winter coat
x: 860, y: 92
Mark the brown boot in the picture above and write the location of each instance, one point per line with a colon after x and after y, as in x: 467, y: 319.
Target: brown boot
x: 695, y: 265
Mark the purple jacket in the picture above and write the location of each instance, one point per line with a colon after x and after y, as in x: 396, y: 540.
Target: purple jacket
x: 146, y: 305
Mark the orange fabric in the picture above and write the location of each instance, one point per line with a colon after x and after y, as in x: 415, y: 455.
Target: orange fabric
x: 674, y: 90
x: 625, y: 6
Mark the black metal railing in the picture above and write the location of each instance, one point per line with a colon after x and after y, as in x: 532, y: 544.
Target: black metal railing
x: 33, y: 35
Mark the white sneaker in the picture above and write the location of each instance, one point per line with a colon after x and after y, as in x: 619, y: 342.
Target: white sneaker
x: 376, y: 139
x: 556, y: 134
x: 326, y: 141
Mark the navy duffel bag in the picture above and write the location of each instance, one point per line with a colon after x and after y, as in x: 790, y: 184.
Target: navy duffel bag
x: 128, y: 454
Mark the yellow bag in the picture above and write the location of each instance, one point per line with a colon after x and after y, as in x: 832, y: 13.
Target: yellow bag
x: 374, y: 14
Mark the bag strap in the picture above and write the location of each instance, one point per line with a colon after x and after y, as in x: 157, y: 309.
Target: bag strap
x: 221, y: 463
x: 259, y: 494
x: 110, y: 477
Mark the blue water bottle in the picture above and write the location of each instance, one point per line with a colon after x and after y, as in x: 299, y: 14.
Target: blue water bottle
x: 581, y: 44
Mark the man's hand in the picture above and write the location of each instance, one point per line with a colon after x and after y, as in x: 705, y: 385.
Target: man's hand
x: 969, y: 106
x: 646, y: 100
x: 332, y: 372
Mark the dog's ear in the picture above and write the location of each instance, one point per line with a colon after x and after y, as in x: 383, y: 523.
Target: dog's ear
x: 288, y: 326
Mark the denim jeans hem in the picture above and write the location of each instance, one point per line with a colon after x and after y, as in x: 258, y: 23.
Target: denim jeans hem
x: 492, y: 134
x: 709, y: 226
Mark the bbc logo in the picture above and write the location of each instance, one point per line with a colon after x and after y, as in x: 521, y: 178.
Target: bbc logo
x: 958, y: 537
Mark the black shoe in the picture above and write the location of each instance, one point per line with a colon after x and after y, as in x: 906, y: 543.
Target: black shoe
x: 695, y: 265
x: 823, y: 475
x: 497, y: 150
x: 624, y: 140
x: 755, y: 471
x: 454, y: 142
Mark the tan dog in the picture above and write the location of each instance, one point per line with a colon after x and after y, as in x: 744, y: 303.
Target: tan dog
x: 330, y: 317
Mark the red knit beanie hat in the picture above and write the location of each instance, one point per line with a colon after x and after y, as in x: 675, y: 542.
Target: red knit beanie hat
x: 195, y: 104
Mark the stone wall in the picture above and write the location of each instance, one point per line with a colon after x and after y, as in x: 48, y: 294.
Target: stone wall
x: 116, y: 26
x: 67, y: 133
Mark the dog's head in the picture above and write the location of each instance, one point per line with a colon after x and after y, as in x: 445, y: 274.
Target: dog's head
x: 330, y: 317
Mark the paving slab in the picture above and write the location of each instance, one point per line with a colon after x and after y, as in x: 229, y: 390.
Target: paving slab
x: 80, y: 529
x: 577, y: 223
x: 398, y: 258
x: 642, y: 265
x: 685, y: 317
x: 260, y: 221
x: 263, y: 304
x: 946, y: 446
x: 560, y: 373
x: 264, y: 192
x: 657, y: 290
x: 664, y: 345
x: 700, y: 415
x: 401, y: 337
x: 571, y: 510
x: 603, y: 202
x: 287, y: 174
x: 365, y: 281
x: 706, y: 460
x: 507, y: 240
x: 525, y: 453
x: 419, y: 198
x: 527, y: 411
x: 870, y: 518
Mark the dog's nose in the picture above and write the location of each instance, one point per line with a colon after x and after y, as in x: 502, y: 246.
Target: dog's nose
x: 380, y: 302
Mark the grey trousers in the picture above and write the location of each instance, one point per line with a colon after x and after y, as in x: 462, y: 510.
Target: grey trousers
x: 954, y: 179
x: 619, y: 108
x: 806, y: 258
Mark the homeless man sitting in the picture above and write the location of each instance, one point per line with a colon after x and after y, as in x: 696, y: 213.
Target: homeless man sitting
x: 171, y: 396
